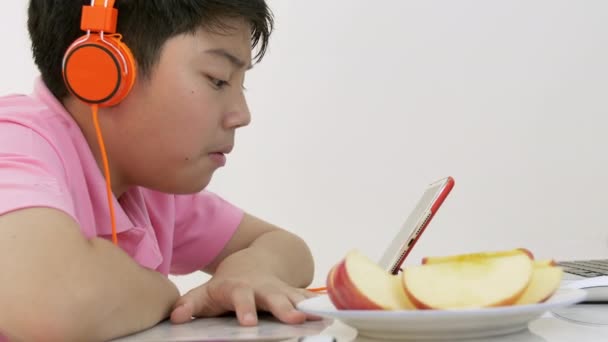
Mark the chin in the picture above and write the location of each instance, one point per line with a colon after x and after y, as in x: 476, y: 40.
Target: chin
x: 192, y: 186
x: 180, y: 186
x: 184, y: 181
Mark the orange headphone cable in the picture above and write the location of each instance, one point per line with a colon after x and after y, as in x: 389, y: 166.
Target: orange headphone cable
x: 106, y: 169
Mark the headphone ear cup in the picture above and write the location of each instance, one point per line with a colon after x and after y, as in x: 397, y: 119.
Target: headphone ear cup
x: 99, y: 71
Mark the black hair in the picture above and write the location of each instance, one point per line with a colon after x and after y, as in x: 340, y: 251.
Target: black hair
x: 145, y: 25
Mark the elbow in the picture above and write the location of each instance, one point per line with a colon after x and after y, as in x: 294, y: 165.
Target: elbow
x: 47, y: 321
x: 41, y: 328
x: 306, y: 267
x: 65, y: 328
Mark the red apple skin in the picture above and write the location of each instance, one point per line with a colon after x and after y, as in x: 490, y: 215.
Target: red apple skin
x: 547, y: 297
x: 349, y: 295
x: 527, y: 251
x: 334, y: 295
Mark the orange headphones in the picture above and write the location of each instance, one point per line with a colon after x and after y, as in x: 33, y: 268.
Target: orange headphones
x: 99, y: 69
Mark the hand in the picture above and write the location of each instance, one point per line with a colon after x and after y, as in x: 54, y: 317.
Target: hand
x: 244, y: 295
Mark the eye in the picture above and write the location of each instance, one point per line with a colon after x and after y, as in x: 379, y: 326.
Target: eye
x: 217, y: 83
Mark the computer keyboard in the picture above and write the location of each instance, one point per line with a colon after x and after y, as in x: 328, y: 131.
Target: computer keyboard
x: 585, y: 268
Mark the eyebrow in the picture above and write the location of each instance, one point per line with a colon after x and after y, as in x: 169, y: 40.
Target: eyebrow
x: 234, y: 60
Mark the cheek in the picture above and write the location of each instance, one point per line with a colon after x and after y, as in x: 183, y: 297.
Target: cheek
x: 178, y: 117
x: 186, y: 130
x: 185, y: 101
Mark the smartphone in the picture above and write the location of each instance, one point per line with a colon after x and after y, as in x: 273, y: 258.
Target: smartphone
x: 415, y: 224
x: 412, y: 229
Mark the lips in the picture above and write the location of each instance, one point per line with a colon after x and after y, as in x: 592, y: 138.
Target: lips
x: 218, y: 157
x: 219, y: 154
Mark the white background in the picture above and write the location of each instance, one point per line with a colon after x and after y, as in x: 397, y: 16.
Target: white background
x: 359, y: 104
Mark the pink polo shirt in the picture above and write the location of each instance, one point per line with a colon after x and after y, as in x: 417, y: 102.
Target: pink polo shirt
x: 45, y: 162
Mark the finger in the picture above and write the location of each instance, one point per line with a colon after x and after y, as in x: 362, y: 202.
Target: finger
x: 310, y: 317
x: 182, y: 313
x: 296, y: 297
x: 243, y: 299
x: 183, y: 309
x: 281, y: 307
x: 299, y: 296
x: 195, y: 303
x: 310, y: 294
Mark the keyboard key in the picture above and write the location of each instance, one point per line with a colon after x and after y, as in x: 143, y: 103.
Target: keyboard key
x: 585, y: 268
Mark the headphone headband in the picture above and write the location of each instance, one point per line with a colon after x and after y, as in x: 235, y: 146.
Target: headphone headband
x: 100, y: 16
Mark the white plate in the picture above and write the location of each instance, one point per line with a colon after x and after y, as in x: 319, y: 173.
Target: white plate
x: 440, y: 324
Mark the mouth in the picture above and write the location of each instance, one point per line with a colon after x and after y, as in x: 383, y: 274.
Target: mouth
x: 219, y: 156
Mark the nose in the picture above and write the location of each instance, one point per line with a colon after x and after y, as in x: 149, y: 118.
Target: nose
x: 238, y: 115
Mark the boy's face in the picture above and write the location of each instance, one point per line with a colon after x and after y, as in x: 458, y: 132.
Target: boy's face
x: 176, y: 128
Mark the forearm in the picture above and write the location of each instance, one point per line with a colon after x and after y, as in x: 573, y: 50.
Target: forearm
x: 133, y: 298
x: 110, y: 297
x: 278, y: 253
x: 61, y: 287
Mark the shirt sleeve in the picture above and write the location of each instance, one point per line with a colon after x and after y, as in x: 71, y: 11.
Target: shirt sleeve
x: 204, y: 225
x: 31, y: 172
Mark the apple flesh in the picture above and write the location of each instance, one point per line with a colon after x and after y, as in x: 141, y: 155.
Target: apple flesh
x: 470, y: 281
x: 357, y: 283
x: 545, y: 281
x: 545, y: 262
x: 476, y: 256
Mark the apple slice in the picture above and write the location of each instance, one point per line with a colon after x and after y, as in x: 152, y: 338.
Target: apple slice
x: 471, y: 282
x: 360, y: 284
x: 545, y: 262
x: 474, y: 256
x: 334, y: 296
x: 545, y: 281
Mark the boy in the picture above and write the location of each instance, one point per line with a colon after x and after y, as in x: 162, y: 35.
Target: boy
x: 62, y: 277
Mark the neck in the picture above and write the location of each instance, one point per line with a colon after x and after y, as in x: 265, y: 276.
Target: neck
x: 82, y: 114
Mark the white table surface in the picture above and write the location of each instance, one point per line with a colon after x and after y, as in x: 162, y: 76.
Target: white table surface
x: 548, y: 328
